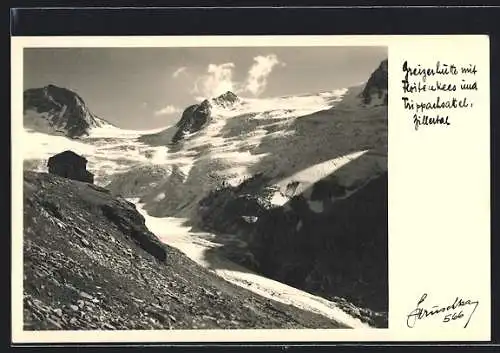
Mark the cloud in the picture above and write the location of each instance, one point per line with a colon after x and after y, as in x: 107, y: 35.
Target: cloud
x: 262, y: 67
x: 169, y: 109
x: 217, y: 80
x: 179, y: 71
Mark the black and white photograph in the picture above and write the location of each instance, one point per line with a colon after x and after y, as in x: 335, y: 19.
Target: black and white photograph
x: 183, y: 188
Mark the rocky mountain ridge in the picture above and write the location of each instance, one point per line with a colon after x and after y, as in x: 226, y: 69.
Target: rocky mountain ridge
x: 57, y: 110
x: 376, y: 87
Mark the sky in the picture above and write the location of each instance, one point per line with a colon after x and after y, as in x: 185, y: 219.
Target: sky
x: 145, y: 88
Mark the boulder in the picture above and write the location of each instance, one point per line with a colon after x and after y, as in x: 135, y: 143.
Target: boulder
x: 70, y: 165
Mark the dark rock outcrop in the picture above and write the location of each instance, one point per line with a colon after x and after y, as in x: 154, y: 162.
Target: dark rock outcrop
x: 58, y: 110
x: 70, y: 165
x: 193, y: 119
x: 340, y: 253
x: 91, y: 263
x: 376, y: 86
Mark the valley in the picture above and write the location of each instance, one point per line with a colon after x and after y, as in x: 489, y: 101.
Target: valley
x: 284, y: 198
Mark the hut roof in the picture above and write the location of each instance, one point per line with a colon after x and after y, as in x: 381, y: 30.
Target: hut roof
x: 67, y: 155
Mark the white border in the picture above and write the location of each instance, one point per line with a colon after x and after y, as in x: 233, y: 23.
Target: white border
x: 411, y: 47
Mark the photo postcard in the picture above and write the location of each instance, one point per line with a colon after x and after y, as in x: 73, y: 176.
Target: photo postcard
x: 256, y: 188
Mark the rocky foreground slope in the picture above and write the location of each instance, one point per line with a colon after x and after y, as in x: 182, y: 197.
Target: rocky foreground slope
x: 90, y: 263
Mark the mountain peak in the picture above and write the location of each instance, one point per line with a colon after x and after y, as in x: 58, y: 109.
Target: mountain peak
x: 227, y: 99
x: 54, y: 109
x: 228, y: 94
x: 376, y: 86
x: 205, y: 104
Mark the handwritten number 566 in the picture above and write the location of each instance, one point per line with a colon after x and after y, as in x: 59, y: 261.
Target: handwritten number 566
x: 454, y: 316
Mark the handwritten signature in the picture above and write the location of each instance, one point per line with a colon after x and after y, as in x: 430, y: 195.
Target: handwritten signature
x: 450, y: 312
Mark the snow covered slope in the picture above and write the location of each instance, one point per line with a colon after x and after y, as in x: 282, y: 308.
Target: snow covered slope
x: 288, y: 139
x: 109, y: 151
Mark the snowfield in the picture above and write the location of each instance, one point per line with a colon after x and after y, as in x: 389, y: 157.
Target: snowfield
x: 109, y: 151
x: 292, y: 139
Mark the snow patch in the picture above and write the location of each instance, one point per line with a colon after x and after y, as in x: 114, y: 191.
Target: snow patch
x: 309, y: 176
x: 160, y: 196
x: 108, y: 130
x: 316, y: 206
x: 250, y: 219
x: 278, y: 199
